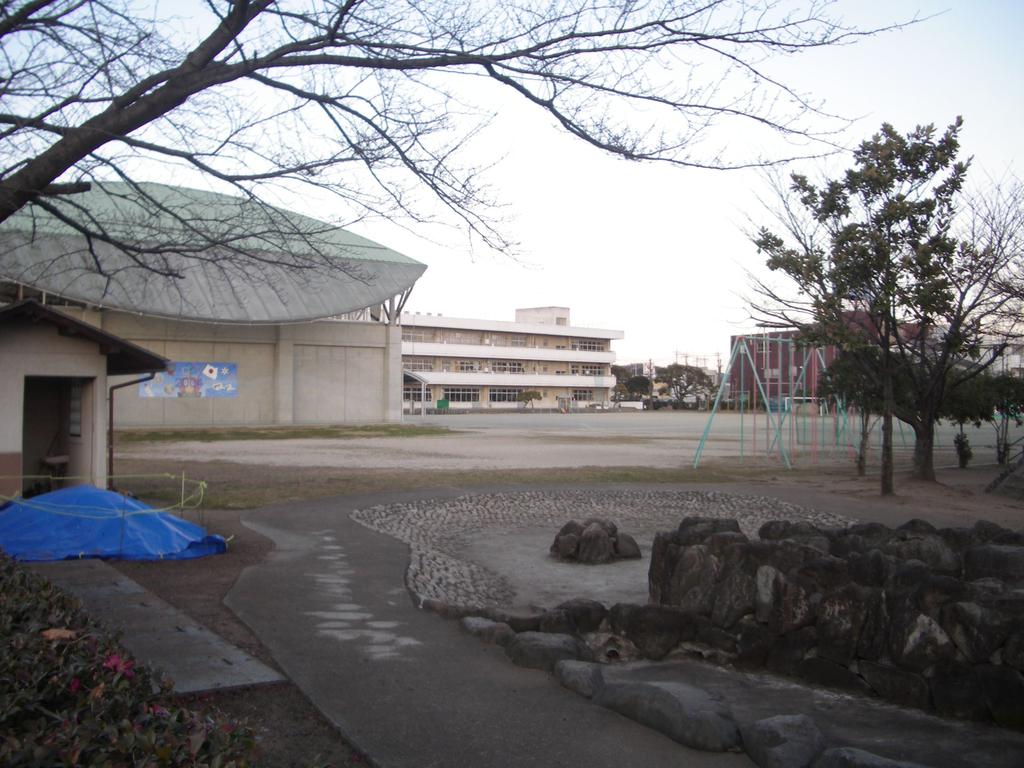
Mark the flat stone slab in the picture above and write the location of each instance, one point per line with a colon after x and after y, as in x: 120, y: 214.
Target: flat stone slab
x: 783, y: 741
x: 858, y: 731
x: 541, y: 650
x: 682, y: 712
x: 155, y: 632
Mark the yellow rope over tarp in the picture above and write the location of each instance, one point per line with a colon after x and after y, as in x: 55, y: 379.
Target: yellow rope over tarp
x: 192, y: 494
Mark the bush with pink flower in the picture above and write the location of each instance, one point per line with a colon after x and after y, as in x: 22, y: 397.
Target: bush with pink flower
x: 70, y: 695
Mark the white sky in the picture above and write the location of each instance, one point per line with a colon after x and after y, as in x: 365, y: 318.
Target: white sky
x: 659, y: 252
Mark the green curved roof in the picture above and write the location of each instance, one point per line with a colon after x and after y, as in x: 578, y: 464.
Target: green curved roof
x: 234, y: 260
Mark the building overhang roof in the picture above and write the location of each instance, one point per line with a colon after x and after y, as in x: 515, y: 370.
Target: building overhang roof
x: 123, y: 357
x: 207, y: 257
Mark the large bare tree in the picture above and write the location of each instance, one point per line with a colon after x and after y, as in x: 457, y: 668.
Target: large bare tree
x: 376, y: 101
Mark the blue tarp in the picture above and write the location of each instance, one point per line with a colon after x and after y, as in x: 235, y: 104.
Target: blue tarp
x: 84, y: 521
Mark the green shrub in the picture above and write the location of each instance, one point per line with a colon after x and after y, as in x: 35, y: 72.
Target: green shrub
x: 70, y: 695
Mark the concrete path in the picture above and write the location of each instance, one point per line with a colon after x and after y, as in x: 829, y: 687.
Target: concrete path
x: 406, y: 686
x: 157, y: 633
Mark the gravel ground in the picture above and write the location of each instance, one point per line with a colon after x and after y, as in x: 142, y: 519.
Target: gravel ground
x: 440, y: 532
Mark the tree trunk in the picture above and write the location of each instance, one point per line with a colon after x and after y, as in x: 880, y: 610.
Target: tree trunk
x: 1002, y: 441
x: 888, y: 399
x: 924, y: 439
x: 865, y: 439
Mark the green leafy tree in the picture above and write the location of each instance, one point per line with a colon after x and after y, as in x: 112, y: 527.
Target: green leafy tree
x: 682, y: 381
x: 1009, y: 409
x: 528, y: 397
x: 878, y: 262
x: 638, y: 386
x: 852, y: 381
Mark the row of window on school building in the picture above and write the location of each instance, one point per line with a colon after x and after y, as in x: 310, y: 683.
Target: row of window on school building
x: 478, y: 338
x: 427, y: 364
x: 413, y: 393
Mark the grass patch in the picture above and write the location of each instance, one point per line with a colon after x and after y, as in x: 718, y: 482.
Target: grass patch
x: 219, y: 434
x: 237, y: 486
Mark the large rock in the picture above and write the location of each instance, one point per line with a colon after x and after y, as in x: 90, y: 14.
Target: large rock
x: 586, y: 615
x: 792, y: 609
x: 692, y: 584
x: 714, y: 636
x: 976, y: 631
x: 895, y: 685
x: 874, y: 633
x: 583, y: 677
x: 916, y: 641
x: 718, y: 543
x: 609, y: 527
x: 870, y: 568
x: 626, y: 547
x: 956, y: 691
x: 595, y: 545
x: 753, y: 643
x: 801, y: 532
x: 1013, y: 651
x: 926, y: 546
x: 520, y: 621
x: 734, y: 599
x: 653, y: 629
x: 694, y: 530
x: 783, y: 741
x: 1003, y: 690
x: 566, y: 546
x: 849, y: 757
x: 540, y: 650
x: 996, y: 560
x: 558, y: 622
x: 791, y: 649
x: 767, y: 589
x: 936, y: 591
x: 572, y: 528
x: 823, y: 574
x: 488, y: 630
x: 664, y: 553
x: 839, y: 618
x: 682, y: 712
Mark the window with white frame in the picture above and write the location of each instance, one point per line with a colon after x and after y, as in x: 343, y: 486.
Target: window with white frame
x: 418, y: 364
x: 469, y: 366
x: 414, y: 393
x: 581, y: 369
x: 417, y: 334
x: 588, y: 345
x: 462, y: 394
x: 463, y: 337
x: 582, y: 395
x: 516, y: 341
x: 504, y: 394
x: 508, y: 366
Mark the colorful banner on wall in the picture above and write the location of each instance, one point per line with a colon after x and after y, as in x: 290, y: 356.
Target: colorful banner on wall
x: 193, y: 379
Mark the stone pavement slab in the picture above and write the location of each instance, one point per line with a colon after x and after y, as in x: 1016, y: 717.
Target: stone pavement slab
x: 156, y: 633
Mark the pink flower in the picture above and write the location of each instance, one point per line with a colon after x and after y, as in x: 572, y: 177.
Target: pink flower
x: 76, y: 684
x: 119, y: 665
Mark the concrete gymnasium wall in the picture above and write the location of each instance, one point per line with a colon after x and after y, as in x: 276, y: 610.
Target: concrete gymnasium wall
x: 312, y: 373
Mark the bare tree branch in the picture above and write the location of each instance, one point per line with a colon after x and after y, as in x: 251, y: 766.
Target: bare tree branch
x: 362, y: 98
